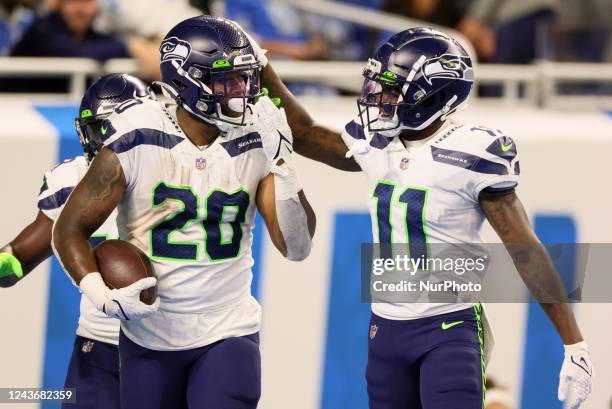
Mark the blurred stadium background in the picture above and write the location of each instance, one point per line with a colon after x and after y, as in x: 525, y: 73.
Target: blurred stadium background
x: 544, y: 77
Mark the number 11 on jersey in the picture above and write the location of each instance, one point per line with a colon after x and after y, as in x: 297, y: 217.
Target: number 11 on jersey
x: 414, y: 201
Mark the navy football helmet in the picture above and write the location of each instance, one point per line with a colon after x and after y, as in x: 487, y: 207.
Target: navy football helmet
x: 99, y: 101
x: 416, y: 77
x: 209, y: 67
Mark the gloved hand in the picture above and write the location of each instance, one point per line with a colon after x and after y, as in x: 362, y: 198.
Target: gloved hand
x: 576, y: 378
x: 276, y: 136
x: 121, y: 303
x: 10, y: 266
x: 362, y: 138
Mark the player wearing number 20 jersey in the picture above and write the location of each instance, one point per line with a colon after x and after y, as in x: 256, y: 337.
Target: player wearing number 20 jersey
x: 191, y: 210
x: 186, y: 178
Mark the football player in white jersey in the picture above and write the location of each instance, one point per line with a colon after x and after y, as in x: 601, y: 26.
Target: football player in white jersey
x: 432, y: 181
x: 187, y: 179
x: 94, y: 366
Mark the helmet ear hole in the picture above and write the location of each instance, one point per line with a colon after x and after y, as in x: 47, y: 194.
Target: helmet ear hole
x: 436, y: 98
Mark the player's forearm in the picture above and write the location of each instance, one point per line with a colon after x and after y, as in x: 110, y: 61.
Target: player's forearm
x: 89, y: 205
x: 323, y: 145
x: 74, y: 250
x: 539, y: 274
x: 295, y: 219
x: 296, y: 224
x: 311, y: 140
x: 26, y: 251
x: 509, y: 219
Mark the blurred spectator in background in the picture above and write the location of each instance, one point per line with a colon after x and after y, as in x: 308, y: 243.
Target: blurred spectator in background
x: 584, y: 32
x: 203, y: 5
x: 68, y: 32
x: 142, y: 24
x: 449, y: 13
x: 15, y: 18
x: 523, y: 28
x: 280, y: 28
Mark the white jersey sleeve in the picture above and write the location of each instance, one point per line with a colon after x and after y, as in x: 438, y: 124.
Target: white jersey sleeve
x: 490, y: 156
x: 57, y: 185
x: 133, y: 123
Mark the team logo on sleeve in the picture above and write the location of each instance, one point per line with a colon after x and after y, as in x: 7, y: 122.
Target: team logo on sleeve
x: 447, y: 66
x: 175, y: 49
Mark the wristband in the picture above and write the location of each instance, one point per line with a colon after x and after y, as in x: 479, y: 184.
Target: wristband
x: 9, y: 265
x: 286, y: 182
x: 576, y: 348
x: 93, y: 286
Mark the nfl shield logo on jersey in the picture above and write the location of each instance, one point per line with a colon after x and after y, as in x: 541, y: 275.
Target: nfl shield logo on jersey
x: 373, y: 331
x: 200, y: 163
x: 87, y: 347
x: 404, y: 164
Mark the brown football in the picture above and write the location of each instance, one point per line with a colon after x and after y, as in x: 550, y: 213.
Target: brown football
x: 121, y: 264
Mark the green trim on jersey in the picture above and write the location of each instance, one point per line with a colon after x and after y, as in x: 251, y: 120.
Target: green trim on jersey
x: 478, y: 313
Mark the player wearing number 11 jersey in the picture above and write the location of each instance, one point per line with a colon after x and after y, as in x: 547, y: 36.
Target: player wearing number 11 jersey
x: 433, y: 180
x: 187, y: 178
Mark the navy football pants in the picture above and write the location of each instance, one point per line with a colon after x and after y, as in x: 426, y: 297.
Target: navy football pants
x: 428, y: 363
x: 223, y: 375
x: 94, y: 373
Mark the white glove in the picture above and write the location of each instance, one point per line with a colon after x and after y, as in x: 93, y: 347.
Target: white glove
x: 576, y: 379
x: 359, y: 146
x: 260, y: 53
x: 121, y: 303
x: 276, y: 136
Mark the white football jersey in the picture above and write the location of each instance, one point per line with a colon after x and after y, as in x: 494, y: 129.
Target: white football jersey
x: 191, y: 210
x: 57, y: 186
x: 427, y: 192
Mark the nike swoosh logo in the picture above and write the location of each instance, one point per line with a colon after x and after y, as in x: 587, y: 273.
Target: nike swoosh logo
x: 584, y: 366
x: 506, y: 148
x: 446, y: 326
x: 280, y: 144
x: 104, y: 129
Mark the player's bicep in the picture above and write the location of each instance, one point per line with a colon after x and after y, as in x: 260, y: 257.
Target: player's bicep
x: 508, y: 217
x: 266, y: 204
x: 96, y: 195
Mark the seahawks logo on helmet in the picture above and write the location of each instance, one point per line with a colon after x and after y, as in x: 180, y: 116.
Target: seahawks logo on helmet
x: 175, y: 49
x: 447, y: 66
